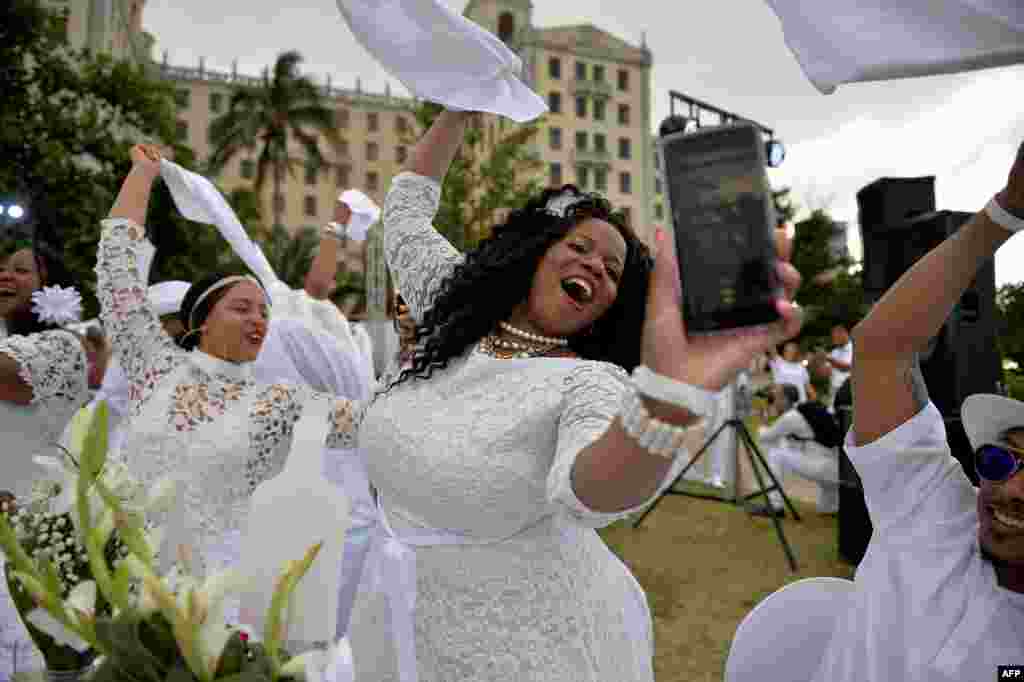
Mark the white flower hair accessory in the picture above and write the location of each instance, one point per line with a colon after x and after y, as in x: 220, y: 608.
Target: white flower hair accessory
x: 560, y: 204
x: 57, y: 305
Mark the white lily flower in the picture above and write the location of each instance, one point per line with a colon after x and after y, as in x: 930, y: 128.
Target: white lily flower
x: 54, y: 628
x: 65, y: 477
x: 82, y: 599
x: 308, y: 666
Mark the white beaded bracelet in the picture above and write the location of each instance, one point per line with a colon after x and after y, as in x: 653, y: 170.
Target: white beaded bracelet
x: 1000, y: 216
x: 697, y: 400
x: 657, y: 437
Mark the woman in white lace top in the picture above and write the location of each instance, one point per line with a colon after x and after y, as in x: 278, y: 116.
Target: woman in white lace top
x: 516, y: 431
x: 43, y: 382
x: 196, y: 410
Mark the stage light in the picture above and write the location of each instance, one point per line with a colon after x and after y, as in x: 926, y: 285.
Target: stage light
x: 673, y: 124
x: 775, y: 153
x: 15, y: 211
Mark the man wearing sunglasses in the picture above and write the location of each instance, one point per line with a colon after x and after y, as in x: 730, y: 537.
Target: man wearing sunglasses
x: 939, y: 595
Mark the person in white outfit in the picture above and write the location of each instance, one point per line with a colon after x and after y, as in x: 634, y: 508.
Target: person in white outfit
x: 787, y: 369
x: 840, y: 357
x: 792, y: 446
x: 939, y: 594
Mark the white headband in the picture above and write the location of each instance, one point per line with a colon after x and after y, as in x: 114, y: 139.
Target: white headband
x: 219, y: 284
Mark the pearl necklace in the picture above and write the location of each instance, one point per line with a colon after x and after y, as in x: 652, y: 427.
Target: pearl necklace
x: 505, y: 349
x: 536, y: 338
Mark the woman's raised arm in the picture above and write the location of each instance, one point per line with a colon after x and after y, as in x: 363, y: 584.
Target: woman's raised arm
x: 145, y: 351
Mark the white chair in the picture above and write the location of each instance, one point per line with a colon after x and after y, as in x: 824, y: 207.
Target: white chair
x: 784, y: 637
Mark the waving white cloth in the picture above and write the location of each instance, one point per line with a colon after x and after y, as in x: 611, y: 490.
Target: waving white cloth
x: 364, y: 213
x: 849, y: 41
x: 443, y: 57
x: 197, y: 199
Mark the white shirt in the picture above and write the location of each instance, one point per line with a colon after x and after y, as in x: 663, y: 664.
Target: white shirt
x: 794, y: 373
x: 842, y: 354
x: 926, y: 606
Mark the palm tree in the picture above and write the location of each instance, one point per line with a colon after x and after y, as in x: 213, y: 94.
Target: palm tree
x: 285, y: 105
x: 291, y: 256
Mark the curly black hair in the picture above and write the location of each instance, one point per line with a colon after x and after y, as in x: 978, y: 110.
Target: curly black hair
x: 52, y: 272
x: 503, y: 266
x: 189, y: 312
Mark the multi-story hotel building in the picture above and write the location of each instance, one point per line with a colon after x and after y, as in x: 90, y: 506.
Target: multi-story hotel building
x: 596, y: 136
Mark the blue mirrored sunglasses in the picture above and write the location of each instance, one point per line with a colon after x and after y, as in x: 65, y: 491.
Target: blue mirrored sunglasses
x: 997, y: 463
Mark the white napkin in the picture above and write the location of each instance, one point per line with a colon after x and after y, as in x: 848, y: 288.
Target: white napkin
x: 443, y: 57
x: 197, y: 199
x: 850, y: 41
x: 364, y: 213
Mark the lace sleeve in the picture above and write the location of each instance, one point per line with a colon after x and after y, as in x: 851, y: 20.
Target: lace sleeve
x: 417, y: 254
x: 144, y: 350
x: 593, y: 397
x: 345, y: 419
x: 53, y: 364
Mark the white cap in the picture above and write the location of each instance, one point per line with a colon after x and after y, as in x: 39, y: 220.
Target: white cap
x: 166, y: 297
x: 987, y: 417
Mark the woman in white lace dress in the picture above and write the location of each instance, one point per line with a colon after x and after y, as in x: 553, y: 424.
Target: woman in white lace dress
x: 197, y: 412
x: 516, y: 431
x: 44, y: 380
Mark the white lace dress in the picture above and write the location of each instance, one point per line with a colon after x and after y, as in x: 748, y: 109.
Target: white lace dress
x: 484, y: 451
x: 194, y: 416
x: 53, y: 363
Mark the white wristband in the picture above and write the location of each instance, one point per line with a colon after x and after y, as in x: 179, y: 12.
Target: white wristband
x: 697, y: 400
x: 1000, y: 216
x: 335, y: 230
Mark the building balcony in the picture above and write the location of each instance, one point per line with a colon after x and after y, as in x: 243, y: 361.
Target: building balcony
x: 592, y: 88
x: 591, y: 157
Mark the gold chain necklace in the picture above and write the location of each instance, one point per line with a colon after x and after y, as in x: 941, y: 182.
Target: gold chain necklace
x: 505, y: 349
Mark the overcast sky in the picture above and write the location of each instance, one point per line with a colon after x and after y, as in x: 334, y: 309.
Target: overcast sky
x: 964, y: 129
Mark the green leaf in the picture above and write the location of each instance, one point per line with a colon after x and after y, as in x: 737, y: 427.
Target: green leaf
x: 180, y: 673
x: 127, y: 652
x: 232, y: 659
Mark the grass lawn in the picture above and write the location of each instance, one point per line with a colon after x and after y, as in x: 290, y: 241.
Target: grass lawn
x: 705, y: 564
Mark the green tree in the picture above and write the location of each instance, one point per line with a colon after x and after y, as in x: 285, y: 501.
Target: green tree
x: 785, y: 210
x: 67, y: 121
x: 832, y: 290
x: 286, y: 105
x: 494, y: 171
x: 1010, y: 304
x: 291, y: 255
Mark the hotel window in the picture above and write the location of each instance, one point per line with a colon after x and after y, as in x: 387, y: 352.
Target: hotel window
x: 309, y: 206
x: 599, y: 108
x: 601, y: 179
x: 372, y: 122
x: 555, y: 138
x: 623, y: 80
x: 581, y: 71
x: 216, y: 101
x: 555, y: 68
x: 555, y: 102
x: 625, y: 149
x: 598, y: 73
x: 581, y: 107
x: 181, y: 98
x: 625, y: 183
x: 341, y: 117
x: 600, y: 143
x: 555, y: 171
x: 624, y: 114
x: 343, y: 174
x: 582, y: 176
x: 310, y: 174
x: 371, y: 151
x: 248, y: 168
x: 401, y: 154
x: 581, y: 140
x: 181, y: 130
x: 372, y: 181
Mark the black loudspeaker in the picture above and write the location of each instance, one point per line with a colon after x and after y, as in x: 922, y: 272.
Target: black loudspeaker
x: 885, y: 205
